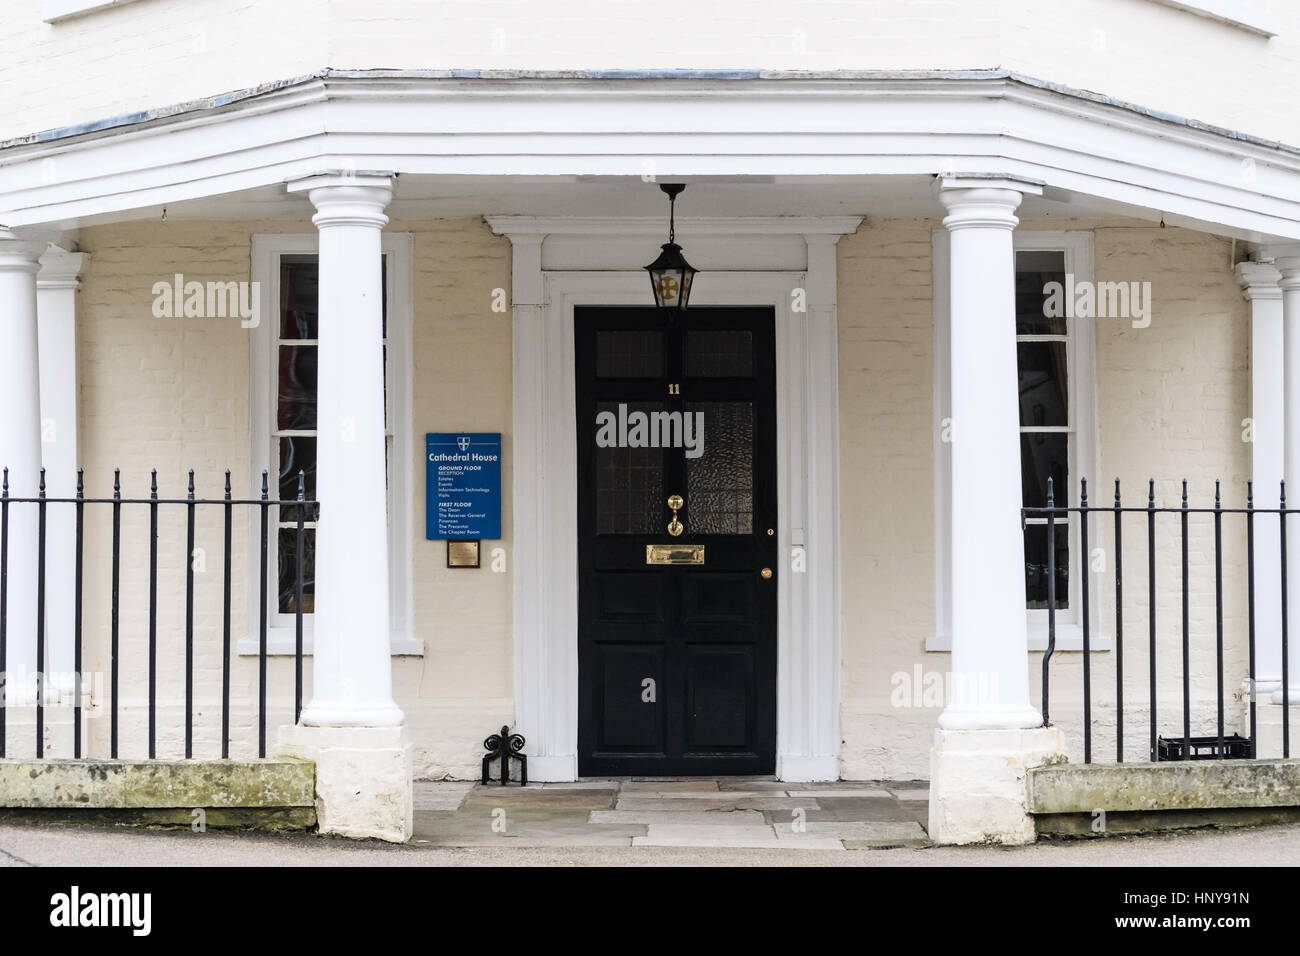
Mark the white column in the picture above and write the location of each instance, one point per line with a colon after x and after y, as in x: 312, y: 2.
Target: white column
x: 546, y: 658
x: 352, y: 727
x: 1259, y: 281
x: 990, y: 642
x: 989, y: 733
x: 810, y: 739
x: 56, y: 306
x: 1288, y: 266
x: 20, y: 450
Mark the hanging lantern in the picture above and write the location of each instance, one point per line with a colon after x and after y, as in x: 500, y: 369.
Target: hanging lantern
x: 671, y: 274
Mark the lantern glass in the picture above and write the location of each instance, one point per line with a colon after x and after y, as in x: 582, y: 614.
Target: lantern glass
x: 670, y: 277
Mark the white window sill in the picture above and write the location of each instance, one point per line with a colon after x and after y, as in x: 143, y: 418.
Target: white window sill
x: 282, y: 642
x: 1069, y: 637
x: 1237, y: 13
x: 54, y: 11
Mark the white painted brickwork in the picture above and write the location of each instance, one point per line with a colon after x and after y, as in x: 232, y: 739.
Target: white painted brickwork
x: 146, y: 55
x: 1171, y: 400
x: 173, y: 393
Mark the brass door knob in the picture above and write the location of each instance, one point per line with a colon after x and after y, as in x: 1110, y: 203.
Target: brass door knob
x: 675, y: 527
x: 766, y: 573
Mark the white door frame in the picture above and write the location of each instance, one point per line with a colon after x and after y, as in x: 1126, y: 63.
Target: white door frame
x: 545, y: 460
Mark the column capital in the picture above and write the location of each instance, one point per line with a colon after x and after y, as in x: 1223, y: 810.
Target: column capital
x: 1286, y: 259
x: 18, y: 254
x: 61, y: 269
x: 983, y: 201
x: 1289, y: 267
x: 1259, y: 280
x: 347, y: 197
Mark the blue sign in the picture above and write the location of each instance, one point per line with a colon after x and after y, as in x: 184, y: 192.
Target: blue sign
x: 462, y: 495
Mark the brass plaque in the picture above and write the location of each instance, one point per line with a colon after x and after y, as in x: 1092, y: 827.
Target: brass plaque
x: 462, y: 554
x: 674, y: 554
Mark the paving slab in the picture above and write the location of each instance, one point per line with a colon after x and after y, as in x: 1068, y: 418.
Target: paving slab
x: 555, y: 799
x: 685, y: 796
x: 875, y: 834
x: 440, y: 794
x: 857, y: 792
x: 587, y: 836
x: 710, y: 801
x: 706, y: 818
x: 867, y: 809
x: 579, y: 785
x: 670, y: 786
x: 742, y: 837
x: 911, y: 796
x: 520, y: 826
x: 742, y: 812
x: 754, y: 783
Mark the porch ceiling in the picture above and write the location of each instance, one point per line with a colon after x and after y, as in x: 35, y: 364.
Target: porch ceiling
x: 417, y: 197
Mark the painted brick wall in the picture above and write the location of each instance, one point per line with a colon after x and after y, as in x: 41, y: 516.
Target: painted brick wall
x: 886, y: 492
x: 1171, y: 398
x: 157, y: 52
x: 173, y: 394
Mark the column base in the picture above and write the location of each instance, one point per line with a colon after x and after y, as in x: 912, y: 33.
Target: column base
x: 363, y: 779
x: 1292, y: 695
x: 1268, y: 725
x: 978, y: 790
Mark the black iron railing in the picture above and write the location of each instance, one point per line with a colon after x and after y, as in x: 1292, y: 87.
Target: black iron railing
x: 1221, y: 744
x: 42, y: 503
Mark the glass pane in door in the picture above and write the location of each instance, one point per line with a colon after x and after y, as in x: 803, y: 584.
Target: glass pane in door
x: 629, y: 481
x: 720, y: 482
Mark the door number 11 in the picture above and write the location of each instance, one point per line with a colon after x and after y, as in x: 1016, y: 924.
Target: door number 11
x: 674, y: 389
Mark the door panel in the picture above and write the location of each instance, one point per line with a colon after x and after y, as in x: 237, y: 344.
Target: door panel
x: 677, y: 663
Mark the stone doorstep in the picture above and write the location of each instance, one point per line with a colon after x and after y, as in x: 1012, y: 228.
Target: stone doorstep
x: 157, y: 784
x: 704, y: 818
x: 670, y: 786
x: 686, y: 796
x: 713, y: 801
x: 578, y: 785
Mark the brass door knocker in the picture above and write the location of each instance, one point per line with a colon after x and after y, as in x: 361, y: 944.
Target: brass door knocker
x: 675, y: 527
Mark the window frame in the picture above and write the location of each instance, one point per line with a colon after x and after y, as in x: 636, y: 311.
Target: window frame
x: 1236, y: 13
x: 57, y: 11
x: 1077, y: 246
x: 267, y: 251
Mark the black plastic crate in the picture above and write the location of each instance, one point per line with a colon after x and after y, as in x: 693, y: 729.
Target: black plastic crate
x: 1235, y: 747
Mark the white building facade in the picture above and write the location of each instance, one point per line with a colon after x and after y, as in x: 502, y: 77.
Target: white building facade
x: 445, y: 233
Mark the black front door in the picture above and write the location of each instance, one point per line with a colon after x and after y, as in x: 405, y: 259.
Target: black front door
x: 677, y: 631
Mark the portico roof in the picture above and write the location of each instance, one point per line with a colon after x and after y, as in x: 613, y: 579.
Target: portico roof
x: 461, y: 140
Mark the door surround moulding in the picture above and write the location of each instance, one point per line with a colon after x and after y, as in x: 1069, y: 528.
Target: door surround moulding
x: 545, y: 563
